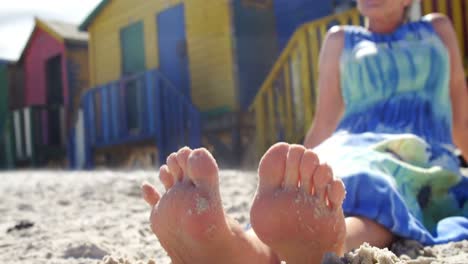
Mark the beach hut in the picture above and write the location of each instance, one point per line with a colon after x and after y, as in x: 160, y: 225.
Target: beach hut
x: 213, y: 53
x: 11, y: 89
x: 4, y: 84
x: 55, y: 66
x: 5, y: 136
x: 291, y: 14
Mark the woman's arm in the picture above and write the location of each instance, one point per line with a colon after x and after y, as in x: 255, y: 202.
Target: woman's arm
x: 458, y: 88
x: 330, y: 106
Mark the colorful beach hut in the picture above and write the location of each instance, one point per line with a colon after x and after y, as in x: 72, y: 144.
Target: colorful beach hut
x: 213, y: 53
x: 55, y: 66
x: 11, y: 98
x: 4, y: 87
x: 290, y: 14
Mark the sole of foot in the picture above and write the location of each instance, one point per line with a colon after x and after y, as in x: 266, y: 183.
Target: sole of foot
x: 189, y: 219
x: 297, y: 208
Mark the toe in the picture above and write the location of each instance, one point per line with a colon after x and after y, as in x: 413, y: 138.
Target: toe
x: 309, y: 164
x: 336, y: 193
x: 150, y: 194
x: 293, y: 162
x: 182, y: 157
x: 202, y: 169
x: 272, y: 166
x: 174, y: 167
x: 166, y: 177
x: 322, y: 177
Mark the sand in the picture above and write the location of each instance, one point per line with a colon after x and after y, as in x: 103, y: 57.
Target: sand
x: 99, y: 217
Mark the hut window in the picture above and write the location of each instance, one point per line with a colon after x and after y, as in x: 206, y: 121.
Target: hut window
x: 132, y: 48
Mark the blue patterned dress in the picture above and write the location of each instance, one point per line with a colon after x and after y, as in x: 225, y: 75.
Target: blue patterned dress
x: 393, y: 147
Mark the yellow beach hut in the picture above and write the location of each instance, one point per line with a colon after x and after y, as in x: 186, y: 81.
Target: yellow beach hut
x: 215, y: 53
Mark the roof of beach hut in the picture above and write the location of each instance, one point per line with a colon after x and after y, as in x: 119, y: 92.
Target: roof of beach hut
x: 90, y: 18
x: 62, y: 31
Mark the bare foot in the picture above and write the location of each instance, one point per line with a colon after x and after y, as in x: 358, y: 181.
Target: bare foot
x: 189, y: 220
x: 297, y: 209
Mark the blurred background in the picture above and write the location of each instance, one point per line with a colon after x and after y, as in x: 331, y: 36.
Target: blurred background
x: 88, y: 84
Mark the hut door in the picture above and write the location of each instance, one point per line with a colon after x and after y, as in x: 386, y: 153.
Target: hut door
x: 3, y: 96
x: 54, y: 98
x: 54, y: 81
x: 173, y: 59
x: 133, y: 61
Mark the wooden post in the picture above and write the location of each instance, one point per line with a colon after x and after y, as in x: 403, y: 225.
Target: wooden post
x: 271, y: 117
x: 427, y: 7
x: 260, y: 121
x: 306, y: 80
x: 105, y: 117
x: 457, y: 11
x: 150, y: 104
x: 288, y: 98
x: 314, y: 57
x: 115, y: 110
x: 88, y: 128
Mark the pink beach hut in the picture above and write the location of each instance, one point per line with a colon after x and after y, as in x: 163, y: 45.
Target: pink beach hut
x: 55, y: 64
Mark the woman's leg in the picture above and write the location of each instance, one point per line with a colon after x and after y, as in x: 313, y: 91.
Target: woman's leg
x: 189, y: 219
x: 298, y: 211
x: 300, y: 217
x: 361, y: 229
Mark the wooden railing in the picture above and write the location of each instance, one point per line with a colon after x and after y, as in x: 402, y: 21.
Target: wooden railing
x: 285, y: 103
x: 137, y: 108
x: 457, y: 10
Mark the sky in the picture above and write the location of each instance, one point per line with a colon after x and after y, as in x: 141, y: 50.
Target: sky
x: 17, y: 20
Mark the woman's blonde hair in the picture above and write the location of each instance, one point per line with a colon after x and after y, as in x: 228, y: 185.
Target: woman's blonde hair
x: 413, y: 11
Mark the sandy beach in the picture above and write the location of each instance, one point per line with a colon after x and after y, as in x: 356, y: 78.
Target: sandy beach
x: 99, y: 217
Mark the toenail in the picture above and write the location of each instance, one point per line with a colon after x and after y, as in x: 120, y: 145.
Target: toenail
x: 196, y: 155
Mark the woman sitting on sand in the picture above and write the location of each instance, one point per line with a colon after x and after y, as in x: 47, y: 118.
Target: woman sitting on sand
x: 390, y: 98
